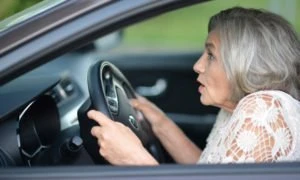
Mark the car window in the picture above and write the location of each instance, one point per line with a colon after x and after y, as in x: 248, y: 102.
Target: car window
x: 186, y: 29
x: 18, y: 17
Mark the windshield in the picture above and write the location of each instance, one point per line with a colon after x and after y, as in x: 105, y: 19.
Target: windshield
x: 28, y: 13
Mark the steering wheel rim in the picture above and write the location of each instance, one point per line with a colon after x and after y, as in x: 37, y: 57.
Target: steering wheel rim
x: 110, y: 92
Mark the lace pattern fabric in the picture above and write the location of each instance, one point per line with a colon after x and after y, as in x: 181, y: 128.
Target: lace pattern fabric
x: 264, y: 127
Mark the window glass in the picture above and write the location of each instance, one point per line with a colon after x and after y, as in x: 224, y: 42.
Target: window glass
x: 11, y: 7
x: 186, y: 29
x: 33, y: 9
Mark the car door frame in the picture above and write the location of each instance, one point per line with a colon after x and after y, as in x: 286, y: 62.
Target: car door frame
x: 76, y: 32
x: 275, y: 171
x: 65, y: 38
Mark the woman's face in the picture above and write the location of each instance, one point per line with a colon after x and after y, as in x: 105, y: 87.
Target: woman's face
x: 214, y: 88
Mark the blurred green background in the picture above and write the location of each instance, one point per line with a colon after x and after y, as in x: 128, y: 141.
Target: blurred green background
x: 185, y: 28
x: 10, y: 7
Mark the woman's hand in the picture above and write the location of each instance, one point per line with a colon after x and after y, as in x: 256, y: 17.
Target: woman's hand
x: 118, y: 144
x: 153, y: 114
x: 172, y: 138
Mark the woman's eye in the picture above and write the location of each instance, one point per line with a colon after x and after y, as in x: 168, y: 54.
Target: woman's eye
x: 210, y: 56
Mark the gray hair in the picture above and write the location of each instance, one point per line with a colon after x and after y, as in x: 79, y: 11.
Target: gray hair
x: 259, y: 51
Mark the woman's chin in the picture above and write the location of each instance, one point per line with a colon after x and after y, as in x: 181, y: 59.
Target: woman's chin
x: 203, y: 101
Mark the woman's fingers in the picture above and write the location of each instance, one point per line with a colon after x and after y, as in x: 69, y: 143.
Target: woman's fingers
x: 118, y: 144
x: 96, y: 131
x: 100, y: 118
x: 143, y: 100
x: 139, y: 105
x: 134, y: 102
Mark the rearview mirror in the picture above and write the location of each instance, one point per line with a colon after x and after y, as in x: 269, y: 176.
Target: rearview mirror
x: 104, y: 43
x: 109, y: 41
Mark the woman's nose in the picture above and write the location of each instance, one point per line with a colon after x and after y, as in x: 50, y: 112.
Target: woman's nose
x: 199, y: 66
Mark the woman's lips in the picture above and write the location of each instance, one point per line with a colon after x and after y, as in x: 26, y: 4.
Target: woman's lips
x: 201, y: 88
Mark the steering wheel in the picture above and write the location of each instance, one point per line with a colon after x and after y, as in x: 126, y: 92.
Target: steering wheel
x: 110, y: 92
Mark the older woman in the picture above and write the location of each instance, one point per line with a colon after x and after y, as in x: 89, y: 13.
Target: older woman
x: 250, y: 70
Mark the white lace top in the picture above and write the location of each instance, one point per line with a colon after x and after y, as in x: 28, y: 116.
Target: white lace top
x: 264, y: 127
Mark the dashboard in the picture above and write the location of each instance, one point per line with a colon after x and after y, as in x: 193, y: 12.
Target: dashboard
x: 38, y: 114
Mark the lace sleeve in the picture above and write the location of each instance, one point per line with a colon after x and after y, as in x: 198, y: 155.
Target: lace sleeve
x: 259, y: 132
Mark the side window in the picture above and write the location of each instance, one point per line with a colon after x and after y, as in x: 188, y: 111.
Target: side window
x: 186, y: 29
x: 11, y: 7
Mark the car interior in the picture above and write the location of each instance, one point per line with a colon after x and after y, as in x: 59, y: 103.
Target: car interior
x: 42, y: 110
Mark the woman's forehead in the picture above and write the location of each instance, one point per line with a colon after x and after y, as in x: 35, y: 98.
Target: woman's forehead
x: 212, y: 40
